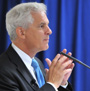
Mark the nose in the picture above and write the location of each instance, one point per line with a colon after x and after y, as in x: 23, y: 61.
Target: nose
x: 49, y: 31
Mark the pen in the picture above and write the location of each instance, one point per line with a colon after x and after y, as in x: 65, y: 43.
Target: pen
x: 74, y: 59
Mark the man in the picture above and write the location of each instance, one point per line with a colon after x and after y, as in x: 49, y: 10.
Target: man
x: 27, y: 25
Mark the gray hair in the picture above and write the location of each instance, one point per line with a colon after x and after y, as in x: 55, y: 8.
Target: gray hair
x: 20, y: 16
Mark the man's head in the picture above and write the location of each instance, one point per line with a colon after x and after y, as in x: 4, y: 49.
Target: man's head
x: 20, y: 16
x: 27, y: 24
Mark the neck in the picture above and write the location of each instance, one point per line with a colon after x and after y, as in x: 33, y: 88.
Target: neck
x: 29, y: 51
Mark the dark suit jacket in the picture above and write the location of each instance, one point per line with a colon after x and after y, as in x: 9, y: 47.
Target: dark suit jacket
x: 14, y: 76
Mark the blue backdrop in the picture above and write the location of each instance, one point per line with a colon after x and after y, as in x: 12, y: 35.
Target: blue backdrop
x: 70, y: 24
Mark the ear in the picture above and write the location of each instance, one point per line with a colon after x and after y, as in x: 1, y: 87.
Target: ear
x: 20, y: 32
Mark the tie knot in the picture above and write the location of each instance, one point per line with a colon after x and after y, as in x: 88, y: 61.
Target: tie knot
x: 34, y: 64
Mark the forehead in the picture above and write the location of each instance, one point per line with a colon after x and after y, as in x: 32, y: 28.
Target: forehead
x: 40, y: 17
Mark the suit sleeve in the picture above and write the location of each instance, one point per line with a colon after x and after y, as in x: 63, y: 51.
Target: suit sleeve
x: 48, y: 87
x: 69, y: 88
x: 7, y: 83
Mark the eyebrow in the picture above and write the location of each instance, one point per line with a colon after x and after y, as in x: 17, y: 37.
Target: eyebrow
x: 43, y: 23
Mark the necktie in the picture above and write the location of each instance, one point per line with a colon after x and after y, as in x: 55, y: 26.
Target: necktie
x: 38, y: 73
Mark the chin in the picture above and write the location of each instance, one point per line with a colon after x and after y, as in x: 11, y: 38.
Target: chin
x: 45, y: 48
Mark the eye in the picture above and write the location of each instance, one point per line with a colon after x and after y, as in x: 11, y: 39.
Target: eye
x: 42, y: 26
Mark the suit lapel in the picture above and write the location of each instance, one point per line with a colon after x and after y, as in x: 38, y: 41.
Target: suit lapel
x: 21, y: 67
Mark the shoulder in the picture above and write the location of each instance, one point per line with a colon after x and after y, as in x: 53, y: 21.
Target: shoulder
x: 6, y: 65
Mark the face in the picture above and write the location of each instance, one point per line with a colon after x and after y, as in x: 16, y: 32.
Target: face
x: 37, y: 35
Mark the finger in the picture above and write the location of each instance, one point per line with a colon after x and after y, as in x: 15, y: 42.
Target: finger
x: 61, y: 60
x: 53, y: 64
x: 62, y: 64
x: 66, y: 64
x: 55, y: 60
x: 69, y: 55
x: 64, y: 50
x: 48, y: 61
x: 46, y: 70
x: 72, y: 66
x: 67, y: 71
x: 46, y: 76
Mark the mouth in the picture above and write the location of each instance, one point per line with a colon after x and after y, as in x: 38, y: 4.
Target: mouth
x: 46, y: 40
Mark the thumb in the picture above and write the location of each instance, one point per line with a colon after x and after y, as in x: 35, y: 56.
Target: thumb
x: 46, y: 70
x: 46, y: 76
x: 48, y: 61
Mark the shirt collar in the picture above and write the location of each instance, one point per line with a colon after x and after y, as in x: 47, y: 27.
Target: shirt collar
x: 25, y: 58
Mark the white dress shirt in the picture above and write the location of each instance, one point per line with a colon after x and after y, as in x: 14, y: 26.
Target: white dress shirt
x: 27, y: 60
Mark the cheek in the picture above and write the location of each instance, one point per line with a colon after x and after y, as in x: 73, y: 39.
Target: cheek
x: 38, y: 37
x: 35, y: 38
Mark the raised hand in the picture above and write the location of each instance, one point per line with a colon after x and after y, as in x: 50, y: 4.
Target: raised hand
x: 59, y: 69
